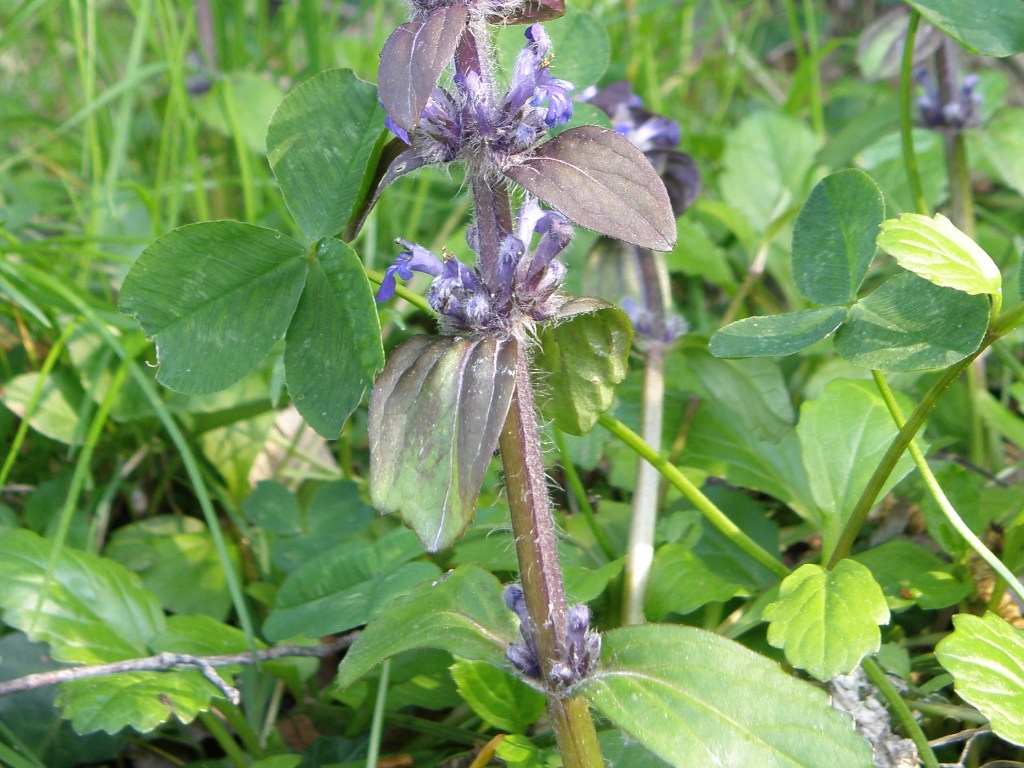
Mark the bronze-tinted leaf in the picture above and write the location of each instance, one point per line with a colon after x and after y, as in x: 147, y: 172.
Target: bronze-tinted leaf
x: 413, y: 59
x: 396, y: 160
x: 602, y: 182
x: 531, y: 12
x: 435, y: 416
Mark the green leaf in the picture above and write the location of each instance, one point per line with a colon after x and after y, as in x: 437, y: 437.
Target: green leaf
x: 579, y: 42
x: 435, y: 416
x: 32, y: 716
x: 90, y: 610
x: 346, y: 586
x: 463, y: 613
x: 580, y: 45
x: 782, y: 150
x: 986, y: 659
x: 501, y: 700
x: 250, y: 97
x: 827, y: 621
x: 694, y: 698
x: 755, y: 390
x: 909, y: 574
x: 333, y: 344
x: 720, y: 443
x: 989, y: 27
x: 834, y: 236
x: 56, y: 412
x: 680, y: 582
x: 940, y: 253
x: 586, y: 352
x: 140, y: 700
x: 909, y: 324
x: 217, y: 296
x: 776, y: 335
x: 274, y: 508
x: 200, y: 636
x: 843, y: 434
x: 320, y: 141
x: 1002, y: 145
x: 160, y: 549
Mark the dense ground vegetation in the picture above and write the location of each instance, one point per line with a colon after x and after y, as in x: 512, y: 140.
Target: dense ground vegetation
x: 838, y: 436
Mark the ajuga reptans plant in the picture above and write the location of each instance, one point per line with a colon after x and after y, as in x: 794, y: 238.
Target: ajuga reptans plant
x: 490, y: 307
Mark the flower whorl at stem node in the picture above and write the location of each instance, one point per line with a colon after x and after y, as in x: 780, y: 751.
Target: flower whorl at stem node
x: 526, y: 280
x: 579, y: 658
x: 470, y: 125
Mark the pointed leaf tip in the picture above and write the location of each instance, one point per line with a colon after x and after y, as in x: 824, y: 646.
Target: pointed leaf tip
x: 412, y: 61
x: 602, y: 182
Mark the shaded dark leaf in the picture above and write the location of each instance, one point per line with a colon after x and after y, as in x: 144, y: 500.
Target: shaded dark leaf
x: 681, y: 175
x: 602, y: 182
x: 412, y: 61
x: 435, y: 415
x: 396, y: 159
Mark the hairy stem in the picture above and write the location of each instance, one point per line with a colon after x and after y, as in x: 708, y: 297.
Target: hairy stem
x: 534, y: 529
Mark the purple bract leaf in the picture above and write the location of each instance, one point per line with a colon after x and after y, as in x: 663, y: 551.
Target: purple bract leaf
x: 435, y: 416
x: 680, y: 174
x: 412, y: 61
x: 602, y: 182
x: 396, y: 160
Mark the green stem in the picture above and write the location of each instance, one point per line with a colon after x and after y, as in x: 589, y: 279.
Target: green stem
x: 377, y: 725
x: 817, y: 110
x: 940, y: 497
x: 907, y: 116
x: 902, y: 711
x: 536, y: 547
x: 580, y: 492
x: 224, y: 740
x: 33, y: 403
x: 1001, y: 326
x: 236, y: 719
x: 714, y: 515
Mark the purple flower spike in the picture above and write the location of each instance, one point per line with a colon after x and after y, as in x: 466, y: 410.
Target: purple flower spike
x: 415, y: 258
x: 533, y: 83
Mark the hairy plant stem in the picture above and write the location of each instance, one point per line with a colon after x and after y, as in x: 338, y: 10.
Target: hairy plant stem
x: 534, y: 529
x: 525, y: 482
x: 1001, y: 326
